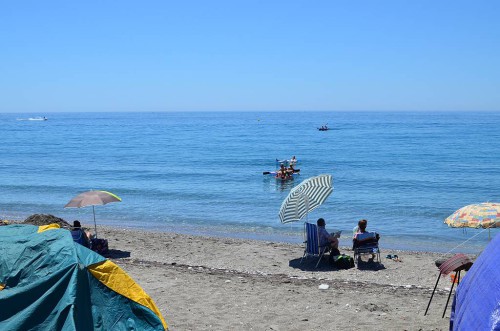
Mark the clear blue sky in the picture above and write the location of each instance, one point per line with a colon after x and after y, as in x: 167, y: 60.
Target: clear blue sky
x: 249, y: 55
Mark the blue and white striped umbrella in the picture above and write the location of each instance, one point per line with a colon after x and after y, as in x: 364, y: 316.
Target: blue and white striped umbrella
x: 305, y: 197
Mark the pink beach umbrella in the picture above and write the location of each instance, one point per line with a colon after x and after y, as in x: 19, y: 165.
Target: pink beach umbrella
x: 92, y: 198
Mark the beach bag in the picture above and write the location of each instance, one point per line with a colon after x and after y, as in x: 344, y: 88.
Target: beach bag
x: 343, y: 261
x: 100, y: 246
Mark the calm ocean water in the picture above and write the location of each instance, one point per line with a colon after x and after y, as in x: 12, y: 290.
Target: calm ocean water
x: 201, y: 173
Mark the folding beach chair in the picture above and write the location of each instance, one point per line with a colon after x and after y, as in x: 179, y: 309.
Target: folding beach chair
x: 366, y: 243
x: 313, y: 247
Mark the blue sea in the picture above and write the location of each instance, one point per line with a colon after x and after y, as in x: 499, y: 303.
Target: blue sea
x: 202, y: 172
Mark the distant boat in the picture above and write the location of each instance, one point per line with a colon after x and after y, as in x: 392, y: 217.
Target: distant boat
x: 286, y: 162
x: 324, y: 128
x: 284, y: 178
x: 38, y: 118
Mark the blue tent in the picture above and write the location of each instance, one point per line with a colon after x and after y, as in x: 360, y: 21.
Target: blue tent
x: 476, y: 305
x: 49, y: 282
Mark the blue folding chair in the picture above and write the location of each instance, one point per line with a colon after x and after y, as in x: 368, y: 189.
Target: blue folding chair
x: 313, y: 248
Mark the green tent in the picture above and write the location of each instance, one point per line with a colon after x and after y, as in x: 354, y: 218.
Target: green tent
x: 48, y: 282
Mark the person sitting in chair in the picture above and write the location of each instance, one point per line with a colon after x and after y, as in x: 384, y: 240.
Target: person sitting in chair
x: 361, y: 228
x: 326, y: 239
x: 79, y: 235
x: 362, y: 237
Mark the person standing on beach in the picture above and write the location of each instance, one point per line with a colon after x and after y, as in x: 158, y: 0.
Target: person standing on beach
x: 326, y: 239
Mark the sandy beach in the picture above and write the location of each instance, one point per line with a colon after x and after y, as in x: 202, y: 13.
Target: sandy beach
x: 205, y: 283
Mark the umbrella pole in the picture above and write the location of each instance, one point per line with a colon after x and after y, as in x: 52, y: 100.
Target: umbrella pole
x: 95, y: 224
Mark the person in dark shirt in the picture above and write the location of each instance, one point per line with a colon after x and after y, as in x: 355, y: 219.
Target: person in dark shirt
x: 79, y: 235
x: 326, y: 239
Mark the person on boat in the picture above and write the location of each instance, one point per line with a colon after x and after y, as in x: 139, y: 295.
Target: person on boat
x: 282, y: 173
x: 290, y: 169
x: 293, y: 160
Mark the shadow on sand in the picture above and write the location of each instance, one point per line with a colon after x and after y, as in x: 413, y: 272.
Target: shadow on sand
x: 309, y: 264
x: 117, y: 254
x: 370, y: 265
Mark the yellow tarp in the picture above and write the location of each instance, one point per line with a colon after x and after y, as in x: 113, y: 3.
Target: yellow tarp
x: 119, y: 281
x: 48, y: 227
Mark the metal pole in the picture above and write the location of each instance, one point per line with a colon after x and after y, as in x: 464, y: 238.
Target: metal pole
x: 95, y: 224
x: 432, y: 295
x: 457, y: 273
x: 306, y: 200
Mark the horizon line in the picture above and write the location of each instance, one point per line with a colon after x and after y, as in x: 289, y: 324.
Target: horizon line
x: 254, y: 111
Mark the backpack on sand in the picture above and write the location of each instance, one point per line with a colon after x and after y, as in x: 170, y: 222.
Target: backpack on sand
x: 343, y: 261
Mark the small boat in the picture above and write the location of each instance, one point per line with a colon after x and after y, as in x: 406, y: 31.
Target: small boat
x: 287, y: 177
x: 324, y: 128
x: 39, y: 118
x: 295, y: 172
x: 286, y: 166
x: 292, y: 161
